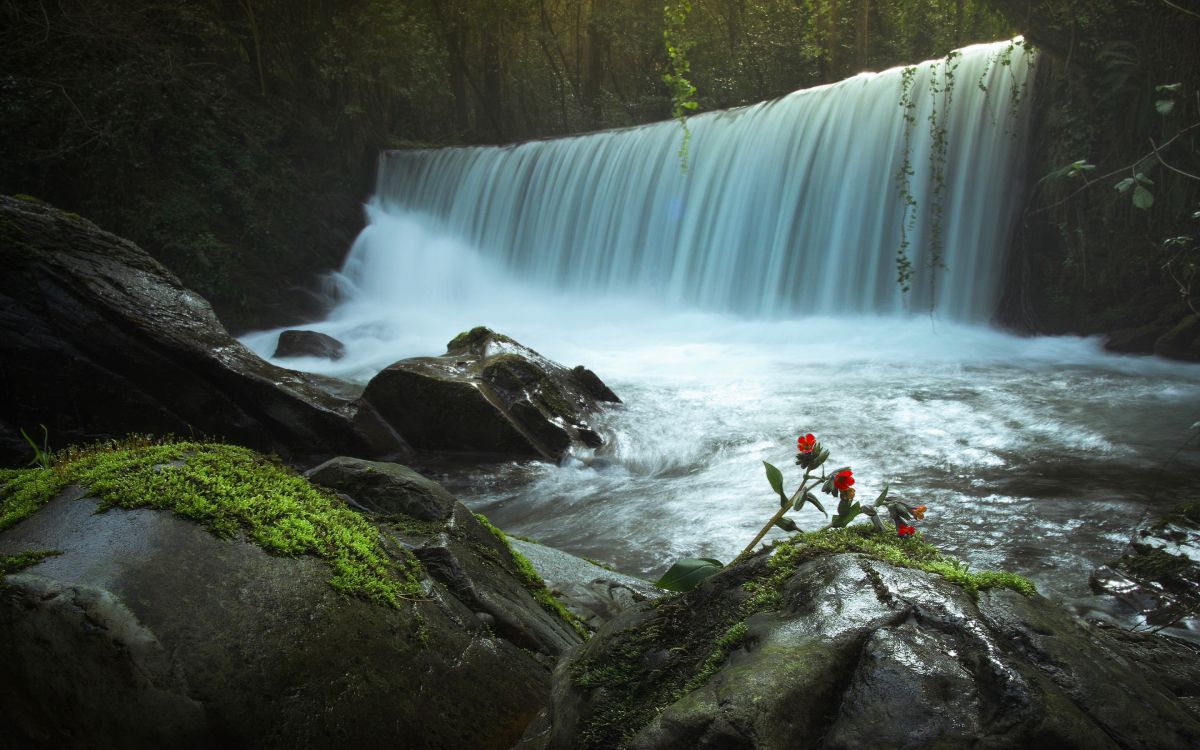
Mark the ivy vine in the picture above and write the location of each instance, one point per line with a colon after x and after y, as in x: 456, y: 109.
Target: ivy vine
x: 675, y: 13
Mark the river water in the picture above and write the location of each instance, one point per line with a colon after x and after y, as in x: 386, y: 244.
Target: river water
x: 753, y: 298
x: 1038, y: 455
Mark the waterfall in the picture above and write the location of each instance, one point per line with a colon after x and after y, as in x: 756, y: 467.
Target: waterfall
x: 789, y: 207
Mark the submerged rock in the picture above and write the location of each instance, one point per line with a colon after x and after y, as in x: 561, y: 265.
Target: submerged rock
x: 308, y: 344
x: 1158, y: 577
x: 489, y: 394
x: 847, y: 651
x: 100, y: 340
x: 149, y: 631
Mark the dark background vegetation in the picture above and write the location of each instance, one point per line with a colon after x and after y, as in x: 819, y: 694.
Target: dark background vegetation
x: 235, y: 140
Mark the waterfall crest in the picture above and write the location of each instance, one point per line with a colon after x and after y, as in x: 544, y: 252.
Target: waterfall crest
x: 789, y: 207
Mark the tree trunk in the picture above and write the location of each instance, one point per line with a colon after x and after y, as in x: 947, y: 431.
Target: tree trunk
x: 596, y: 50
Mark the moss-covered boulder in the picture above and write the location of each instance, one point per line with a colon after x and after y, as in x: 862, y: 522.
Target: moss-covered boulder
x: 100, y: 340
x: 816, y: 646
x: 463, y: 552
x: 1157, y: 579
x: 195, y: 595
x: 490, y: 395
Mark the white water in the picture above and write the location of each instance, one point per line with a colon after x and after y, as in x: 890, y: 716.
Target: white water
x: 754, y: 300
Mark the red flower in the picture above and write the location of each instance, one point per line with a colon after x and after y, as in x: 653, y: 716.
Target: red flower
x: 902, y: 530
x: 843, y: 479
x: 805, y: 443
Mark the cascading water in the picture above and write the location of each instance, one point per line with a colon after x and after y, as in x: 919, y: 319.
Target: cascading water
x: 754, y: 298
x: 789, y: 206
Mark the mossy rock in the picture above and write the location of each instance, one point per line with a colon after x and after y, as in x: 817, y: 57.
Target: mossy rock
x: 204, y: 596
x: 856, y: 651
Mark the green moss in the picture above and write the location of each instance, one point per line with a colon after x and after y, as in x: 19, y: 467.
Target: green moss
x: 21, y: 560
x: 230, y: 491
x: 725, y: 645
x: 534, y: 582
x: 903, y: 552
x: 29, y: 199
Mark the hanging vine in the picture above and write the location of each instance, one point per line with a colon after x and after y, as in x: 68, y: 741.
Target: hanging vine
x: 903, y: 178
x: 938, y: 117
x: 675, y: 13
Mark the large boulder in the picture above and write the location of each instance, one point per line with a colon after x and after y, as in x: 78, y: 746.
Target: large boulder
x: 842, y: 650
x: 150, y: 631
x: 489, y: 394
x: 100, y: 340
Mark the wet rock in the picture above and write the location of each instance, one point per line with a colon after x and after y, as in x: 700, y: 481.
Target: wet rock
x: 471, y: 560
x: 1182, y: 341
x: 150, y: 632
x: 385, y: 488
x: 100, y: 340
x: 1139, y: 340
x: 309, y: 344
x: 489, y: 394
x: 592, y: 593
x: 846, y: 651
x: 1158, y: 577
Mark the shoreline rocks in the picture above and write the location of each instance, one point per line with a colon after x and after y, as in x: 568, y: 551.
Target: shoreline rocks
x: 150, y: 631
x: 100, y: 341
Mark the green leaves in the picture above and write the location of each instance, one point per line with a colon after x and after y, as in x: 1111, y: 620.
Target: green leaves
x: 775, y: 477
x: 1142, y: 197
x: 687, y: 573
x: 847, y: 512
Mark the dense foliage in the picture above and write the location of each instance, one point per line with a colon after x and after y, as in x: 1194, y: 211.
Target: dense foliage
x: 1111, y: 226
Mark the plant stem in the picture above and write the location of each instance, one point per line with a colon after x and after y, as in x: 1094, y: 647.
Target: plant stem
x: 778, y: 515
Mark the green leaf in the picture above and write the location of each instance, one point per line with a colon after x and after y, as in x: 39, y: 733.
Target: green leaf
x: 882, y: 495
x: 810, y: 497
x: 775, y: 477
x: 1164, y: 106
x: 787, y: 524
x: 687, y: 573
x: 1142, y: 198
x: 1124, y: 185
x: 1143, y: 179
x: 1168, y: 88
x: 843, y: 519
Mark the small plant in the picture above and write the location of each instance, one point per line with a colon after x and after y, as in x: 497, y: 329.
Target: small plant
x: 41, y: 454
x: 686, y: 574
